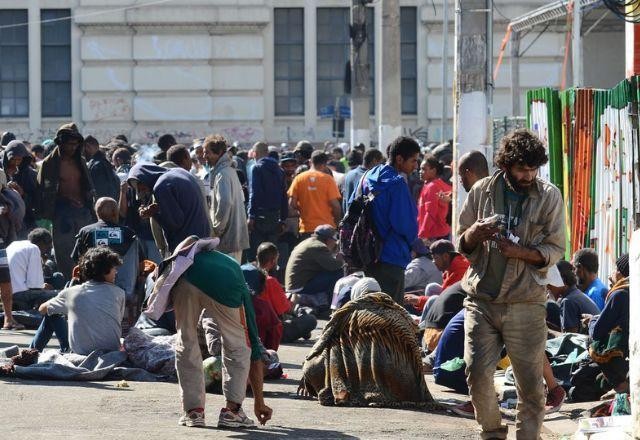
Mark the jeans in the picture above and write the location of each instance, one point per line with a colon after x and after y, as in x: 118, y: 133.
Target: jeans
x: 32, y: 298
x: 151, y: 251
x: 391, y: 279
x: 49, y: 325
x: 522, y: 329
x: 324, y: 282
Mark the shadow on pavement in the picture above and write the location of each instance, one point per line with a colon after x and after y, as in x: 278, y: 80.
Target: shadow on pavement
x: 40, y: 383
x: 278, y: 432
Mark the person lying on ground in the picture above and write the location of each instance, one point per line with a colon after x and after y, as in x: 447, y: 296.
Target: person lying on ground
x: 95, y: 308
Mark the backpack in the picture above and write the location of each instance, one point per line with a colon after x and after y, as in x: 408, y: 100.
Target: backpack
x: 360, y: 242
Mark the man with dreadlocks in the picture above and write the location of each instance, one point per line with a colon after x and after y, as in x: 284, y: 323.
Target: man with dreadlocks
x: 511, y: 230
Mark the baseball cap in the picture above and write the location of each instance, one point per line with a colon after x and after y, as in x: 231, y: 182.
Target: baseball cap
x: 325, y: 232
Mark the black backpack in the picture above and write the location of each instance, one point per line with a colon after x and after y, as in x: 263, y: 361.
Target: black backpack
x: 360, y: 242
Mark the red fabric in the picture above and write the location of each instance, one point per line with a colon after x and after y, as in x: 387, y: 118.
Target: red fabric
x: 432, y: 212
x: 455, y: 272
x: 269, y: 325
x: 274, y: 294
x: 422, y: 301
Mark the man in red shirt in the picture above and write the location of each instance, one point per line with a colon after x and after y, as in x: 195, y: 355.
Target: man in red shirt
x: 433, y: 204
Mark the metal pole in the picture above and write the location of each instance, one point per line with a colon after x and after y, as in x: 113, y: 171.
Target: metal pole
x: 445, y: 65
x: 515, y: 73
x: 359, y: 75
x: 576, y: 44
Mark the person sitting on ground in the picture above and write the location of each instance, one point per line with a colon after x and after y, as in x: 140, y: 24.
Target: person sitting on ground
x: 95, y: 308
x: 421, y: 271
x: 120, y: 239
x: 267, y: 321
x: 610, y: 332
x: 370, y: 346
x: 571, y: 301
x: 453, y: 267
x: 443, y: 308
x: 585, y: 262
x: 25, y: 265
x: 296, y: 325
x: 313, y: 269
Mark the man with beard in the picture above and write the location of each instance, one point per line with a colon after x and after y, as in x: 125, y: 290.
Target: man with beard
x: 66, y: 193
x: 512, y: 231
x: 586, y: 263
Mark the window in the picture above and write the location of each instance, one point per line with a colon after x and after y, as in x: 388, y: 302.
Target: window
x: 333, y: 45
x: 56, y: 62
x: 408, y: 60
x: 289, y: 61
x: 14, y: 68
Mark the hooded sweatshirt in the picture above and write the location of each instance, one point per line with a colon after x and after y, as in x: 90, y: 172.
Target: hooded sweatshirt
x: 104, y: 178
x: 49, y: 176
x: 182, y: 212
x: 268, y: 190
x: 394, y: 214
x: 26, y: 177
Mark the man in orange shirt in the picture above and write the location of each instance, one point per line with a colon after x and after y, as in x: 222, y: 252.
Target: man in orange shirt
x: 315, y: 195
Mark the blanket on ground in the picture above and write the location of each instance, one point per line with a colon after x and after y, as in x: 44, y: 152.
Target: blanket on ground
x: 368, y: 355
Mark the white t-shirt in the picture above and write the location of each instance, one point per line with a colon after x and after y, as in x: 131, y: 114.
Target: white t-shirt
x: 25, y: 266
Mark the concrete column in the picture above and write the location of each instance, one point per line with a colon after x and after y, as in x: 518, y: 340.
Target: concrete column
x: 35, y: 63
x: 515, y: 73
x: 388, y: 102
x: 576, y: 45
x: 76, y: 70
x: 310, y: 71
x: 359, y: 76
x: 472, y: 108
x: 634, y: 332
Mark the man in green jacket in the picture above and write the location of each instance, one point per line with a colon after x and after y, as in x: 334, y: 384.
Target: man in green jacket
x: 512, y: 231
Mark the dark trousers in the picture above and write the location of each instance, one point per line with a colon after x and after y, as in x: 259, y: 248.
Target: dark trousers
x: 32, y: 298
x: 67, y: 222
x: 390, y: 278
x: 323, y: 282
x: 265, y: 229
x: 51, y: 324
x: 297, y: 327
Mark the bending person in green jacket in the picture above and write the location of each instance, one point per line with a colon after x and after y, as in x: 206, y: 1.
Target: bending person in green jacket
x: 214, y: 283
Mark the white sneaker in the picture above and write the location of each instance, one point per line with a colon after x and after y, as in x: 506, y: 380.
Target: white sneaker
x: 192, y: 419
x: 229, y: 419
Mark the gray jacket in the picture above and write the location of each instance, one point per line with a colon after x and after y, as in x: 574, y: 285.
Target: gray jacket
x: 542, y: 228
x: 228, y: 215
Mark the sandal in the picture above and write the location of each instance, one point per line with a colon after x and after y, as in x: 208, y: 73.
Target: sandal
x: 13, y: 326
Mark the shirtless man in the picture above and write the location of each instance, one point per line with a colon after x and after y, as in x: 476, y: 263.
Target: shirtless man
x: 66, y: 194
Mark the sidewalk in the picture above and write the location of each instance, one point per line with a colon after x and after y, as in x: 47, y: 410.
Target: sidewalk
x: 99, y: 410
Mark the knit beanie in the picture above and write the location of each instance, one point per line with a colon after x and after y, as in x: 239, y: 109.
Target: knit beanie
x: 622, y: 264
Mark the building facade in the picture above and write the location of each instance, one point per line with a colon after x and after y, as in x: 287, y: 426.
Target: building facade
x: 249, y: 69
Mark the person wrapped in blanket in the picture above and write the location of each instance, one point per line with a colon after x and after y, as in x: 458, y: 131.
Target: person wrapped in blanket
x: 610, y: 332
x: 357, y: 359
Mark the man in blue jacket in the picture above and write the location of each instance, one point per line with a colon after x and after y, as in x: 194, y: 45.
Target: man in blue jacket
x: 268, y: 203
x: 177, y: 203
x: 394, y: 214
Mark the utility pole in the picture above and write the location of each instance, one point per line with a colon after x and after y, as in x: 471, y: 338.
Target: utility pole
x: 388, y: 98
x: 473, y: 85
x: 445, y: 69
x: 576, y: 44
x: 359, y: 75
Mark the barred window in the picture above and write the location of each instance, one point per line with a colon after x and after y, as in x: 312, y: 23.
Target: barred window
x: 289, y: 61
x: 56, y: 62
x: 14, y: 68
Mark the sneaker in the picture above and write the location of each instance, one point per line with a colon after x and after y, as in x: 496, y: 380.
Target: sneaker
x: 192, y: 419
x: 230, y: 419
x: 464, y: 410
x: 555, y: 397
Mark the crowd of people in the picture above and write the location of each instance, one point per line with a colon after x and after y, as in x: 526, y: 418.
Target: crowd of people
x: 252, y: 247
